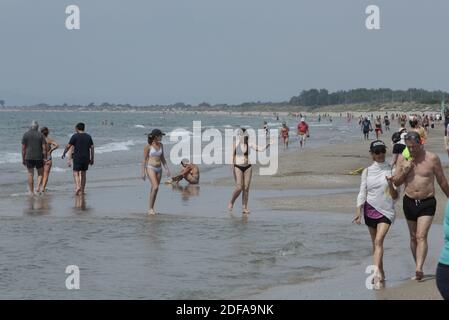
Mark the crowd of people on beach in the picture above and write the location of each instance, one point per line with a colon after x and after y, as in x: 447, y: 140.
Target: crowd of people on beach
x: 412, y: 171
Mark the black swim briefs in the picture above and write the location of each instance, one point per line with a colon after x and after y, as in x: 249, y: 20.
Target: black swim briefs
x: 413, y: 209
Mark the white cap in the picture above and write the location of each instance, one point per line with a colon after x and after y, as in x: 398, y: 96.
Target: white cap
x: 303, y: 119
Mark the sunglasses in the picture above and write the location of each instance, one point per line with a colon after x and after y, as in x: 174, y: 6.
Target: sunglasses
x: 380, y: 151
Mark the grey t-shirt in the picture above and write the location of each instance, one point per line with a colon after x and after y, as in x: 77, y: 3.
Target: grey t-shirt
x: 33, y: 141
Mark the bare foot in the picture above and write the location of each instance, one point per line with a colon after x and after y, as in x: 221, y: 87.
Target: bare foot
x: 246, y: 211
x: 419, y: 275
x: 78, y: 192
x: 151, y: 212
x: 230, y: 207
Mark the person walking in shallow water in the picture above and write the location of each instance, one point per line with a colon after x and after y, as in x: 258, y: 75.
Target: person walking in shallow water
x: 242, y: 169
x: 153, y: 160
x: 83, y: 156
x: 51, y: 146
x: 34, y: 153
x: 376, y: 200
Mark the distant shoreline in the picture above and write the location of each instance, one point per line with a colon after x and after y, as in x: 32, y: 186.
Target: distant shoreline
x: 263, y: 110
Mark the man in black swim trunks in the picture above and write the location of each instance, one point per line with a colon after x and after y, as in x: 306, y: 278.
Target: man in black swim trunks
x: 418, y: 174
x: 83, y: 156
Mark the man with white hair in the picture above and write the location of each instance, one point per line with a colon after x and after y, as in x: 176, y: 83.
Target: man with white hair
x: 303, y: 132
x: 34, y: 153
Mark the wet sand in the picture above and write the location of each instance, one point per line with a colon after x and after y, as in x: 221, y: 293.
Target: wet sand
x: 329, y: 167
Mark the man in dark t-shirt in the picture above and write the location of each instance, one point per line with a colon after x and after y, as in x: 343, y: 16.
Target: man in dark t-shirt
x: 34, y: 153
x: 83, y: 156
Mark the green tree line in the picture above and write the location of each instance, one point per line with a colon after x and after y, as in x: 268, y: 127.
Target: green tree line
x: 322, y: 97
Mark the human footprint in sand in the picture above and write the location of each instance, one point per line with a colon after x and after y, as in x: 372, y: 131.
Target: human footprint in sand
x: 242, y: 168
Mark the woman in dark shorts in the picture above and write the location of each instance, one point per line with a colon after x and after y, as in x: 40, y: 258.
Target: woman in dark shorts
x: 376, y: 198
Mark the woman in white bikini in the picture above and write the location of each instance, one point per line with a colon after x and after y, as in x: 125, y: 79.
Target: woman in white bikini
x: 153, y: 160
x: 242, y: 169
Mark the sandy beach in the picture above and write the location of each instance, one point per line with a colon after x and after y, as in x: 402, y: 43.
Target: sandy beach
x: 298, y: 242
x: 329, y: 167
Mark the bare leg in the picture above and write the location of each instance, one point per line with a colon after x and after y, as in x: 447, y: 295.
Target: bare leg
x: 422, y: 230
x: 31, y: 180
x: 77, y: 177
x: 40, y: 174
x: 412, y: 230
x: 246, y: 184
x: 155, y: 179
x: 83, y: 181
x: 382, y: 229
x: 238, y: 176
x: 47, y: 168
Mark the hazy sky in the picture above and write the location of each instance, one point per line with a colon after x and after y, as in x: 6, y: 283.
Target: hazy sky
x: 220, y: 51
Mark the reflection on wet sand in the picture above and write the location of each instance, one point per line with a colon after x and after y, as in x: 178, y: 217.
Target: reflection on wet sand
x: 80, y: 204
x: 186, y: 191
x: 38, y: 205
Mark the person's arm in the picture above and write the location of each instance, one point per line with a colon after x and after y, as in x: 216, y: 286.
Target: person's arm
x: 144, y: 161
x: 261, y: 148
x: 54, y: 144
x: 403, y: 169
x: 24, y: 150
x: 361, y: 198
x: 393, y: 191
x: 67, y: 147
x: 439, y: 174
x: 92, y: 155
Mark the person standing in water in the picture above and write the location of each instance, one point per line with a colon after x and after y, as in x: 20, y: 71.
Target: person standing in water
x: 366, y: 128
x: 376, y: 199
x: 242, y: 169
x: 83, y: 156
x: 284, y: 134
x: 378, y: 128
x: 303, y: 132
x: 153, y: 160
x: 51, y: 146
x: 34, y: 153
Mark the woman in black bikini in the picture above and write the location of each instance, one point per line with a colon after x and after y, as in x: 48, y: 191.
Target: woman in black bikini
x: 52, y: 145
x: 242, y: 169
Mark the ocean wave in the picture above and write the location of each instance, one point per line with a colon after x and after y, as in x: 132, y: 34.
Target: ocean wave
x: 15, y: 157
x: 114, y: 146
x: 10, y: 157
x: 139, y: 126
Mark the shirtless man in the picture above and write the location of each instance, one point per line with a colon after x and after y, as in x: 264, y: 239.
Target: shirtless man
x: 418, y: 174
x: 189, y: 171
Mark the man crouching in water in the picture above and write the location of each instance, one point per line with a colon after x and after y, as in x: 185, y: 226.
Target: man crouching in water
x: 418, y: 172
x: 190, y: 172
